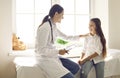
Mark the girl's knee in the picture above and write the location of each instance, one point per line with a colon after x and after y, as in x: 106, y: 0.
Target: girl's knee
x: 83, y: 74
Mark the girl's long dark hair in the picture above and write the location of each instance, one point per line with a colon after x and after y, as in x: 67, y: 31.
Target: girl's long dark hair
x: 100, y: 33
x: 55, y: 8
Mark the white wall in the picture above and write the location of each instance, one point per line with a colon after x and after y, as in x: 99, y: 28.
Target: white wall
x: 109, y: 13
x: 100, y: 10
x: 7, y: 68
x: 114, y: 24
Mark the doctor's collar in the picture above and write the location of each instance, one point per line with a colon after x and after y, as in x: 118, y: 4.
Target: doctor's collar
x: 52, y: 22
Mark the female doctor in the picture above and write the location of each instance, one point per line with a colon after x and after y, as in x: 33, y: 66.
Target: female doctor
x: 50, y: 62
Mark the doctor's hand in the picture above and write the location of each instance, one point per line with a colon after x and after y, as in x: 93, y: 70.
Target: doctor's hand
x: 62, y: 51
x: 84, y: 35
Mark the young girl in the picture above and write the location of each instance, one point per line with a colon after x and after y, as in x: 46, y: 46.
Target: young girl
x: 94, y: 50
x: 48, y: 58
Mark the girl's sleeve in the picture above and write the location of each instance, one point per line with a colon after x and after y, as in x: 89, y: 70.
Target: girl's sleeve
x: 85, y: 45
x: 98, y: 46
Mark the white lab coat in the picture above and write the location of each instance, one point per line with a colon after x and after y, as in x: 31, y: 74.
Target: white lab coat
x: 47, y: 53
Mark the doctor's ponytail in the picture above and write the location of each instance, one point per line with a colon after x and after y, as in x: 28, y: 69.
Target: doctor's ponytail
x: 55, y: 8
x: 46, y: 18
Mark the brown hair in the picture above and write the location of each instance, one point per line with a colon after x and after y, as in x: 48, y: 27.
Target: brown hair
x: 100, y: 33
x: 55, y: 8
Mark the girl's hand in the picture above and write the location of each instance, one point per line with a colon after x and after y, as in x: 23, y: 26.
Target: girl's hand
x: 81, y: 62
